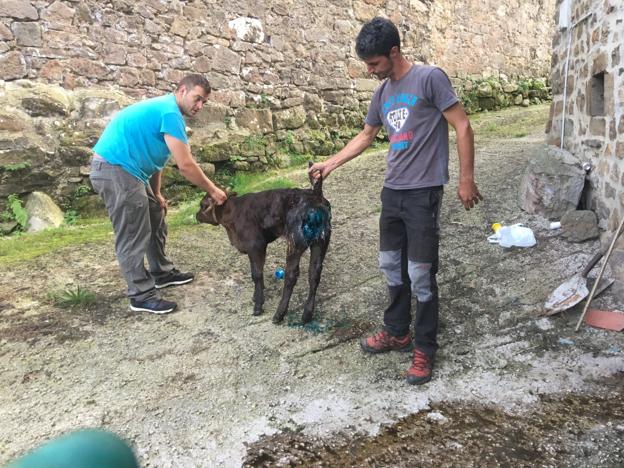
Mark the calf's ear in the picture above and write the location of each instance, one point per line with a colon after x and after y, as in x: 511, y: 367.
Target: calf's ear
x: 204, y: 199
x: 206, y: 202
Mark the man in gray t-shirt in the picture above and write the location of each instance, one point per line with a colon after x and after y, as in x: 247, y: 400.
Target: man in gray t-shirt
x: 410, y: 109
x: 415, y: 104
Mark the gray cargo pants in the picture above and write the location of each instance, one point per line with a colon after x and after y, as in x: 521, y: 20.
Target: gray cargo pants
x: 139, y: 225
x: 409, y: 239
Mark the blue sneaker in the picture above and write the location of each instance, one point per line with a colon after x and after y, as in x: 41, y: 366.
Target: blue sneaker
x: 154, y: 306
x: 174, y: 278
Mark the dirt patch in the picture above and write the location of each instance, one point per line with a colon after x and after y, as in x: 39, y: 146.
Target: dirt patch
x: 572, y: 431
x: 59, y: 323
x: 26, y: 330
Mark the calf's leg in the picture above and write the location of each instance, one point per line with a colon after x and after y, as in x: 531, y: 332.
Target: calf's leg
x: 317, y: 255
x: 256, y: 260
x: 290, y: 279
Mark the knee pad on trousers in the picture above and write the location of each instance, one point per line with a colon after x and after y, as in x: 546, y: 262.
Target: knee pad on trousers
x: 420, y: 277
x: 390, y: 266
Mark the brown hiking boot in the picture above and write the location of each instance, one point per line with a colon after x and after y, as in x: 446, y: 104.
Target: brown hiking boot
x: 420, y: 370
x: 383, y: 341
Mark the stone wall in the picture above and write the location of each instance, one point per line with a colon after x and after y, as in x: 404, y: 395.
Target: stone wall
x: 594, y: 100
x: 592, y: 107
x: 285, y: 76
x: 47, y: 131
x: 254, y: 49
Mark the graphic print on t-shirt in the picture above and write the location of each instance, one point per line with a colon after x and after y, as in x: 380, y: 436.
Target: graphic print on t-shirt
x: 397, y: 117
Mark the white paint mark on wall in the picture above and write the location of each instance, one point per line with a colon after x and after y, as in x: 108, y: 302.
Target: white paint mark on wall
x: 248, y: 29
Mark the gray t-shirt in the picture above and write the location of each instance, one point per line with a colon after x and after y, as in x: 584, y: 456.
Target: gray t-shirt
x: 411, y: 110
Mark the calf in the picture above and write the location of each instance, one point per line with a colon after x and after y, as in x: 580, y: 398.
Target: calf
x: 254, y: 220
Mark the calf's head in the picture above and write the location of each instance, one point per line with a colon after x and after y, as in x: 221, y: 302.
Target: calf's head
x: 207, y: 211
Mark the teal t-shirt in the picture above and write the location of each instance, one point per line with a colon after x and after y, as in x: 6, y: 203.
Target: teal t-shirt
x: 86, y: 448
x: 135, y: 137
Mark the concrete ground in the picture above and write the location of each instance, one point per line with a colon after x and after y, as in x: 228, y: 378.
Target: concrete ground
x: 211, y: 385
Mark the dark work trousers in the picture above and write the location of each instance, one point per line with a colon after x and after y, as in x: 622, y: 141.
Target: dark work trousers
x: 409, y: 239
x: 139, y: 225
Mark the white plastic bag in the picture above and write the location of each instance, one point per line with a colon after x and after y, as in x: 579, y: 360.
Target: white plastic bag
x: 513, y: 236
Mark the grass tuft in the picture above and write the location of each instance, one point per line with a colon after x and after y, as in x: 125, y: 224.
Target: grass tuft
x: 70, y: 298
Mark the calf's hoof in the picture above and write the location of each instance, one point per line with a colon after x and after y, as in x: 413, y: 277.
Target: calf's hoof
x: 277, y: 318
x: 306, y: 317
x: 257, y: 312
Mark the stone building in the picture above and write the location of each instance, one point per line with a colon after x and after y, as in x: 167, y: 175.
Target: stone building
x: 252, y: 48
x: 285, y: 76
x: 587, y: 111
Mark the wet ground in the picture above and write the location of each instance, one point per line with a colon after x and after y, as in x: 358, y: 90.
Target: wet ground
x: 211, y: 385
x: 574, y: 430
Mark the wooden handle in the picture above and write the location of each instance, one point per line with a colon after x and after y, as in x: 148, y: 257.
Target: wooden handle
x: 592, y: 263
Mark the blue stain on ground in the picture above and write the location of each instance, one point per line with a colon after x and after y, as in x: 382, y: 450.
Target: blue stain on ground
x: 314, y: 224
x: 316, y: 326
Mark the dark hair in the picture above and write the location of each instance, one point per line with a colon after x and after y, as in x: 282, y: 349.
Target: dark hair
x: 190, y: 81
x: 377, y: 37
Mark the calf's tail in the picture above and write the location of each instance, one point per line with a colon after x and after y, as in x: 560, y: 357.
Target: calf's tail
x: 317, y: 184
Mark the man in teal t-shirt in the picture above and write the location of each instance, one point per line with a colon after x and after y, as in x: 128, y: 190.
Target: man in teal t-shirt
x: 126, y: 171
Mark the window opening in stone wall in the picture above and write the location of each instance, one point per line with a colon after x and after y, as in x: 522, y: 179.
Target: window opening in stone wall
x: 597, y: 105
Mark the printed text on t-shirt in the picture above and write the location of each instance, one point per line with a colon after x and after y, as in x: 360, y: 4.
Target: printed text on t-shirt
x: 400, y: 141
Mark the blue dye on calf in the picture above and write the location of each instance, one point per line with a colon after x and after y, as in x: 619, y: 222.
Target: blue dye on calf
x: 314, y: 224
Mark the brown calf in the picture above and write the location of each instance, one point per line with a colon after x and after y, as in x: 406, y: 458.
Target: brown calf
x: 254, y: 220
